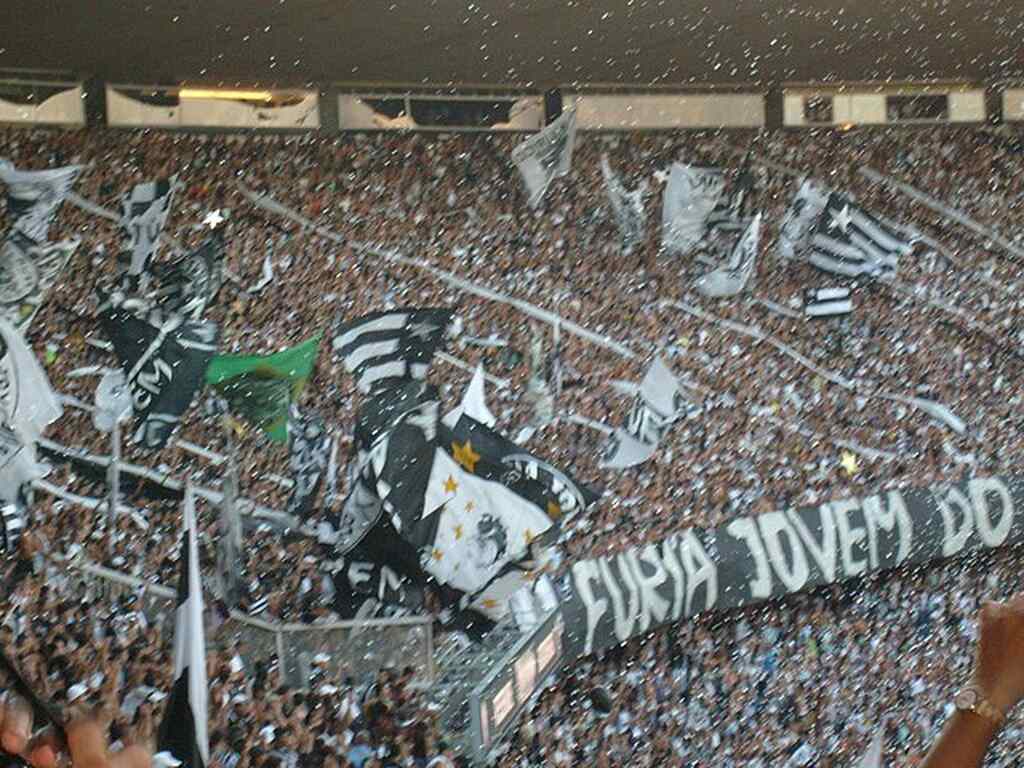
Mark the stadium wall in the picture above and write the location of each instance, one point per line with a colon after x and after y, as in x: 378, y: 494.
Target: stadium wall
x: 64, y: 108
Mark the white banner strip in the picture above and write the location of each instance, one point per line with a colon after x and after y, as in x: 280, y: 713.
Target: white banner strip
x: 595, y: 425
x: 269, y: 204
x: 951, y: 214
x: 452, y: 360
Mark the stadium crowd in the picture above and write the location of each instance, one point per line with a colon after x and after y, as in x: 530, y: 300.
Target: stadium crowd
x: 806, y: 680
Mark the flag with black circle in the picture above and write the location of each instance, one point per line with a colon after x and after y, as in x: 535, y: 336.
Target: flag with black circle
x: 166, y: 360
x: 33, y: 197
x: 183, y: 733
x: 393, y: 344
x: 27, y: 272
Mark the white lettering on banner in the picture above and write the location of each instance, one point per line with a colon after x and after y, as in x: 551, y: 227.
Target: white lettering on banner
x: 850, y: 536
x: 824, y: 553
x: 584, y: 573
x: 151, y: 382
x: 358, y: 573
x: 652, y: 605
x: 793, y: 576
x: 954, y: 538
x: 700, y: 571
x: 761, y: 579
x: 675, y: 570
x: 625, y: 615
x: 887, y: 517
x: 388, y: 580
x: 979, y: 490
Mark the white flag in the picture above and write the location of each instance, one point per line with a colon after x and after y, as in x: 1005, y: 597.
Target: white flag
x: 27, y: 271
x: 734, y: 276
x: 27, y: 401
x: 690, y: 196
x: 800, y: 218
x: 873, y: 757
x: 546, y: 155
x: 628, y: 207
x: 474, y: 402
x: 33, y: 197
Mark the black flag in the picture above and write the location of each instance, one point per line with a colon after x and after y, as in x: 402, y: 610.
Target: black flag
x: 165, y: 361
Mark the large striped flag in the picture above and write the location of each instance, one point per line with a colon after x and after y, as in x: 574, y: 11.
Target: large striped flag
x: 183, y: 732
x: 850, y: 241
x: 394, y: 344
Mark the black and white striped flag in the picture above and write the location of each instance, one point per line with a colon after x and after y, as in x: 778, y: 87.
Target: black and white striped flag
x: 183, y: 732
x: 33, y: 197
x: 144, y: 211
x: 849, y: 241
x: 827, y: 302
x: 396, y: 344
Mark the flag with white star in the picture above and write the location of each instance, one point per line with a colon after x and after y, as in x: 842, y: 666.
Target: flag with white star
x: 850, y: 241
x: 144, y: 211
x: 394, y: 344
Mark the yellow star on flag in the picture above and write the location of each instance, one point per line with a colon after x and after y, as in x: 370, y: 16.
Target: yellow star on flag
x: 437, y: 554
x: 470, y: 506
x: 465, y: 456
x: 849, y: 462
x: 529, y: 536
x: 450, y: 486
x: 554, y: 511
x: 458, y: 532
x: 490, y: 603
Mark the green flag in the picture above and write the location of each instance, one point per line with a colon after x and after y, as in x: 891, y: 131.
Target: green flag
x: 261, y: 388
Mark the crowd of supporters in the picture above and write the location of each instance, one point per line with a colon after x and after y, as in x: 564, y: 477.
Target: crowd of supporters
x: 806, y: 680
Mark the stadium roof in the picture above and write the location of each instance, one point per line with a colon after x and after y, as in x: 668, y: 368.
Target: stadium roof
x: 525, y: 42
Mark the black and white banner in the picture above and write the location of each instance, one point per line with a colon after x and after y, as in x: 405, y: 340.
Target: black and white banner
x: 690, y: 196
x: 395, y: 344
x: 732, y: 277
x: 12, y: 524
x: 801, y: 216
x: 27, y: 271
x: 827, y: 302
x: 608, y: 600
x: 628, y: 207
x: 850, y: 241
x: 144, y: 211
x: 166, y: 365
x: 546, y: 155
x: 190, y: 284
x: 33, y: 197
x: 309, y: 448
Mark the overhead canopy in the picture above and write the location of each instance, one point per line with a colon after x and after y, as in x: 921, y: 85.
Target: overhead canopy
x: 535, y: 42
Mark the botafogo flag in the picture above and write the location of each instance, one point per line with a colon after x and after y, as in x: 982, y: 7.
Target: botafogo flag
x: 827, y: 302
x: 260, y: 388
x: 628, y: 207
x: 144, y: 211
x: 309, y: 448
x: 658, y: 404
x: 546, y: 155
x: 851, y: 242
x: 27, y: 405
x: 392, y: 344
x: 692, y: 193
x: 801, y: 216
x: 33, y: 197
x: 189, y: 284
x: 183, y: 733
x: 165, y: 358
x: 733, y: 277
x: 729, y: 214
x: 27, y: 272
x: 13, y: 521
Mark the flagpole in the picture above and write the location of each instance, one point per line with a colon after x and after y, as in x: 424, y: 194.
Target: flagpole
x: 230, y: 524
x: 114, y: 473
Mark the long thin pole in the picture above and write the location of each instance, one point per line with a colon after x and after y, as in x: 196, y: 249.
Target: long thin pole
x: 115, y: 482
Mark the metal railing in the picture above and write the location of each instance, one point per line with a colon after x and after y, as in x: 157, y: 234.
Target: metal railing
x: 359, y: 647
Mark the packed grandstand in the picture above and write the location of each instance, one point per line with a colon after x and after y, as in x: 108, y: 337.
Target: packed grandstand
x: 911, y: 385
